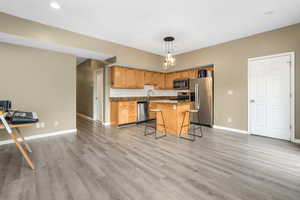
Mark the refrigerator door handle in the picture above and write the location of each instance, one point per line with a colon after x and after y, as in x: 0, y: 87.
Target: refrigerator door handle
x: 197, y: 95
x: 199, y: 98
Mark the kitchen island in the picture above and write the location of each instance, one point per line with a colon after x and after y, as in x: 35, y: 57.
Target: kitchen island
x: 173, y: 112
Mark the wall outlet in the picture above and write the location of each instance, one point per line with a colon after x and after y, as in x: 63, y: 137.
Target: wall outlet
x: 42, y: 124
x: 230, y: 92
x: 56, y: 123
x: 37, y: 125
x: 229, y: 120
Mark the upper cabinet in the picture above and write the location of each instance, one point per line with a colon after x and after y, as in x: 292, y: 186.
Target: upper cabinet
x: 149, y: 77
x: 122, y: 77
x: 131, y: 78
x: 159, y: 80
x: 140, y: 78
x: 169, y: 80
x: 118, y: 77
x: 192, y: 73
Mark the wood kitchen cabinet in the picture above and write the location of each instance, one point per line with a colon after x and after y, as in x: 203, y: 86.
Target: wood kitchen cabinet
x: 148, y: 76
x: 170, y: 77
x: 159, y: 80
x: 118, y: 77
x: 140, y: 79
x: 130, y: 78
x: 192, y: 73
x: 122, y: 77
x: 123, y: 112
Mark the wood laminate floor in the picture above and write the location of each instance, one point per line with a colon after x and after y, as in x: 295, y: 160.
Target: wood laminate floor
x: 121, y: 163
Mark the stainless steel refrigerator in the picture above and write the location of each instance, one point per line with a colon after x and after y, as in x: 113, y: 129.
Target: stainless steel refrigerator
x: 201, y: 96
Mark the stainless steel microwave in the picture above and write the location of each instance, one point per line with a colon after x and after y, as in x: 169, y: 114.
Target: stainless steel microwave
x: 181, y: 84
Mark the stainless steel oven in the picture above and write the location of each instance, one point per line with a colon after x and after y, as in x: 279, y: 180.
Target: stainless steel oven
x: 181, y: 84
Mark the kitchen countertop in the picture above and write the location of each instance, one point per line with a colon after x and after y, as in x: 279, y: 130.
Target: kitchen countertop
x: 170, y: 102
x: 152, y: 98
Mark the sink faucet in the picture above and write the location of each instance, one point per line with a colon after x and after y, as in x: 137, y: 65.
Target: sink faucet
x: 149, y: 93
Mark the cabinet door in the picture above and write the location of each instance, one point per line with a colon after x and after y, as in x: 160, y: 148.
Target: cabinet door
x: 127, y: 112
x: 139, y: 74
x: 123, y: 112
x: 130, y: 78
x: 193, y: 73
x: 118, y: 77
x: 177, y: 76
x: 132, y: 110
x: 184, y: 74
x: 169, y: 81
x: 148, y: 76
x: 159, y: 81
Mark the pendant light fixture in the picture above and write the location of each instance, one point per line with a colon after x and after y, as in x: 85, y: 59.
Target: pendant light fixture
x: 169, y: 48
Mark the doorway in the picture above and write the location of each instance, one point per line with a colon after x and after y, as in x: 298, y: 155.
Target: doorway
x: 271, y: 96
x: 98, y: 94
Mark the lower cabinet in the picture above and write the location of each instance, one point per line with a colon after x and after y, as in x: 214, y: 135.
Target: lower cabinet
x: 123, y: 112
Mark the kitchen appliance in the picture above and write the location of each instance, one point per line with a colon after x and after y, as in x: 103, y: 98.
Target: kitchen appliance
x: 142, y: 111
x: 201, y: 96
x: 181, y: 84
x: 5, y: 105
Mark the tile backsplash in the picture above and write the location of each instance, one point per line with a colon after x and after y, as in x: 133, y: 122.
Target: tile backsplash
x: 141, y: 92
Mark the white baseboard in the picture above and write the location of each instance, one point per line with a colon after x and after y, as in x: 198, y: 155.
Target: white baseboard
x: 231, y: 129
x: 85, y: 116
x: 33, y: 137
x: 106, y: 123
x: 296, y: 141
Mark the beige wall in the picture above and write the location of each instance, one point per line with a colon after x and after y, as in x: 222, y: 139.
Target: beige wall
x: 230, y: 60
x: 40, y: 81
x: 29, y: 29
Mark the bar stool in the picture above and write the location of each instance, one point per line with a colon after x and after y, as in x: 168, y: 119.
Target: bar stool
x: 152, y: 124
x: 193, y: 134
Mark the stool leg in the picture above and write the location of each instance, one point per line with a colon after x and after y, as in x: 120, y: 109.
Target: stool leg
x: 147, y: 127
x: 188, y: 130
x: 182, y: 124
x: 201, y: 131
x: 164, y: 126
x: 145, y: 132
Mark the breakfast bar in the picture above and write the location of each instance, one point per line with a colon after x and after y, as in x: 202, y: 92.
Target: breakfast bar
x: 173, y: 114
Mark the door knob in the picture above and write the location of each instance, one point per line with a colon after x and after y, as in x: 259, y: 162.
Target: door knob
x: 252, y: 101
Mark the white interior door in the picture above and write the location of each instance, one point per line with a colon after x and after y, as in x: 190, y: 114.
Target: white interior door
x: 98, y: 103
x: 269, y: 96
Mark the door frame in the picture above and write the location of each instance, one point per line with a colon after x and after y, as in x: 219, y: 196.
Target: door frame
x: 95, y: 111
x: 292, y: 87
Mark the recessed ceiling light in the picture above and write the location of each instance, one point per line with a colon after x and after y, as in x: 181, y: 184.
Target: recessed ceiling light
x: 55, y: 5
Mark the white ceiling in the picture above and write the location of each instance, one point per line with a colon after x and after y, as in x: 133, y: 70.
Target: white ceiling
x: 143, y: 24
